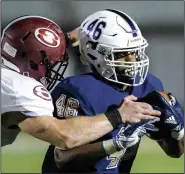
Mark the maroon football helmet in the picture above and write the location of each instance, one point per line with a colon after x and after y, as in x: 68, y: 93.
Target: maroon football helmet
x: 37, y: 46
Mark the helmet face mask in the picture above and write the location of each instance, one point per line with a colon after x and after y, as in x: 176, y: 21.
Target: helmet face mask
x: 102, y: 53
x: 130, y: 73
x: 37, y: 45
x: 56, y: 73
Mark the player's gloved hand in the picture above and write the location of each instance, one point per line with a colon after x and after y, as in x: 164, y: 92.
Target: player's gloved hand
x: 128, y: 136
x: 172, y: 113
x: 174, y: 117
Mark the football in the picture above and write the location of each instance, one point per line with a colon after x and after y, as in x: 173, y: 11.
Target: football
x: 163, y: 132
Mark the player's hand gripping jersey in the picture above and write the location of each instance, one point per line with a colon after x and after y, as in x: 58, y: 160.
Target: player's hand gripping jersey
x: 89, y: 95
x: 22, y: 94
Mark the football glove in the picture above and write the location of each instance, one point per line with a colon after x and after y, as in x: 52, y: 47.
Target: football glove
x: 172, y: 113
x: 128, y: 136
x: 131, y: 134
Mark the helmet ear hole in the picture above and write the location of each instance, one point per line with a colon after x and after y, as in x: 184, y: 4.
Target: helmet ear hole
x: 34, y: 65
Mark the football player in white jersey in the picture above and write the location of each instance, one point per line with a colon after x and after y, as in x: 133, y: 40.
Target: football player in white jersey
x: 33, y: 50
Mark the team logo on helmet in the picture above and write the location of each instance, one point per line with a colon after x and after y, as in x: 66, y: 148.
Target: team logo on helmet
x: 47, y: 37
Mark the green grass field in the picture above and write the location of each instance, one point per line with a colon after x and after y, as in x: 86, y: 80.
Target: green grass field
x: 26, y: 156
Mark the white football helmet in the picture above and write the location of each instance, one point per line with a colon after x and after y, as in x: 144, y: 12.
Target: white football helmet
x: 107, y: 32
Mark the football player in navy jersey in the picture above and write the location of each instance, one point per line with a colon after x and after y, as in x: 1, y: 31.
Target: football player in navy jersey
x: 111, y: 43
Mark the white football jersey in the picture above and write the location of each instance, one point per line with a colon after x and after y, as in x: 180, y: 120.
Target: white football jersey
x: 24, y: 94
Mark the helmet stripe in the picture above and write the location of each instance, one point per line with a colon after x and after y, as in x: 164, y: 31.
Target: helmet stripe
x: 127, y: 19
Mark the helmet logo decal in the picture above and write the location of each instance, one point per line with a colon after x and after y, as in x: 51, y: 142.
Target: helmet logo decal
x: 41, y: 92
x: 47, y: 37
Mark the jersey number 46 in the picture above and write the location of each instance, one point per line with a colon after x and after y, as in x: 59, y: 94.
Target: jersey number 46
x: 67, y: 107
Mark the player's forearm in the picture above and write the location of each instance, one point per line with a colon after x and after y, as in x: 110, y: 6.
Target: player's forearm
x: 43, y: 128
x: 68, y: 133
x: 173, y: 148
x: 82, y: 130
x: 86, y: 155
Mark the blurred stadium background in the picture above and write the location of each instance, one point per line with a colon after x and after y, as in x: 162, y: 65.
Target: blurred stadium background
x: 162, y: 24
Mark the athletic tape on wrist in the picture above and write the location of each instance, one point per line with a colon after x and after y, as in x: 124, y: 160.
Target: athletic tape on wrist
x: 109, y: 147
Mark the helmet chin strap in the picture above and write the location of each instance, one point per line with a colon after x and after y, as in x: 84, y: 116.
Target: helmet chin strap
x: 47, y: 63
x: 46, y: 60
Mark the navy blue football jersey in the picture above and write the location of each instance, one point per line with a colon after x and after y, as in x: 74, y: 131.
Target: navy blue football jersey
x: 89, y: 95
